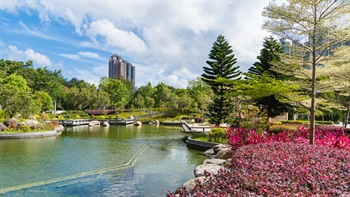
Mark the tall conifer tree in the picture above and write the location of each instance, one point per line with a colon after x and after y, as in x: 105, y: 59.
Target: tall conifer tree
x: 268, y: 55
x: 221, y: 66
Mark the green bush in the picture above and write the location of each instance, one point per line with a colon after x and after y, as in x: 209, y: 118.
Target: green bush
x: 297, y: 122
x: 283, y: 127
x: 200, y: 136
x: 25, y: 128
x: 217, y: 135
x: 324, y: 122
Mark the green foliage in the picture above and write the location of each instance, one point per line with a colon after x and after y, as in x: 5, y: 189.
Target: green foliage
x: 221, y: 65
x: 324, y: 122
x: 296, y: 122
x: 200, y: 137
x: 25, y: 128
x: 270, y: 53
x: 119, y: 91
x: 217, y: 135
x: 49, y: 126
x: 277, y: 128
x: 15, y: 100
x: 44, y: 100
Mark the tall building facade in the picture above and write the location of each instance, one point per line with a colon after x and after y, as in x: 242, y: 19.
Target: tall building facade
x: 120, y: 68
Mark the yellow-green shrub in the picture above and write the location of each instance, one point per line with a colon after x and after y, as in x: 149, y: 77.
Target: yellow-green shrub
x: 217, y: 135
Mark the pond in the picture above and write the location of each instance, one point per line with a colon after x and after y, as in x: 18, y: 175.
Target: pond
x: 98, y: 161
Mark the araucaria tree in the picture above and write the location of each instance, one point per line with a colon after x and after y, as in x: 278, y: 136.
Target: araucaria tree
x: 221, y: 66
x: 314, y: 28
x: 269, y: 54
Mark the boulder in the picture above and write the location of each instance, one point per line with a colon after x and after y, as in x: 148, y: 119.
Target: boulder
x: 59, y: 128
x: 209, y: 153
x: 189, y: 185
x: 11, y: 123
x: 218, y: 147
x: 211, y: 168
x: 215, y: 161
x: 105, y: 124
x: 138, y: 123
x: 94, y: 123
x: 31, y: 123
x: 224, y: 153
x: 2, y: 127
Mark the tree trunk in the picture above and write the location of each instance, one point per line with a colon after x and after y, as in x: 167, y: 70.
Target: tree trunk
x: 347, y: 114
x: 313, y: 88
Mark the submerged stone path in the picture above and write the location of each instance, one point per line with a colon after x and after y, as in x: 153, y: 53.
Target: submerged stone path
x: 130, y: 163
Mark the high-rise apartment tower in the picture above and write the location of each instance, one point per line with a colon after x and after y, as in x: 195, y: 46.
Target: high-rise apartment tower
x: 120, y: 68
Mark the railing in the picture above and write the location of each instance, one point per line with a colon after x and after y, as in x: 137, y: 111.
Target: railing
x: 187, y: 128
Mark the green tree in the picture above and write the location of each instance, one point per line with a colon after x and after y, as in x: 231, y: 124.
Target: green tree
x: 15, y: 97
x: 119, y: 91
x: 323, y: 23
x: 142, y: 96
x: 162, y: 95
x: 201, y: 93
x: 17, y: 81
x: 270, y: 53
x: 221, y: 65
x: 44, y: 100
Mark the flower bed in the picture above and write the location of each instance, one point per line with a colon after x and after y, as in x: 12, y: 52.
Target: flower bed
x: 280, y: 169
x: 282, y: 164
x: 330, y: 137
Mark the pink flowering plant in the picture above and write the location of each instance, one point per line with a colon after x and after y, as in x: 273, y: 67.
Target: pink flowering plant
x: 330, y: 137
x: 282, y: 164
x: 280, y: 169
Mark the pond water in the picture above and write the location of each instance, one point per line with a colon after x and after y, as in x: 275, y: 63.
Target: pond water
x: 98, y: 161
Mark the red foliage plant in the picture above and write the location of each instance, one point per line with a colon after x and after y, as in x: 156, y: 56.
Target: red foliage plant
x: 280, y: 169
x: 334, y: 136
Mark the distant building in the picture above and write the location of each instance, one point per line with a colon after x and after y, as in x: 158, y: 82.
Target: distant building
x: 120, y: 68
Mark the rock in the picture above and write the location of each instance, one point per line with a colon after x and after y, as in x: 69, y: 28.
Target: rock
x: 189, y: 185
x: 31, y: 123
x: 138, y: 123
x: 11, y: 123
x: 94, y: 123
x: 211, y: 168
x: 59, y: 128
x: 156, y: 122
x: 218, y: 147
x: 215, y: 161
x: 106, y: 124
x: 224, y: 153
x: 2, y: 127
x: 209, y: 153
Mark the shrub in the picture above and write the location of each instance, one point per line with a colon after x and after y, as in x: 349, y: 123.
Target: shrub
x: 240, y: 137
x: 277, y: 128
x: 328, y: 122
x: 297, y: 122
x: 280, y: 169
x: 217, y: 135
x: 49, y: 126
x: 25, y: 128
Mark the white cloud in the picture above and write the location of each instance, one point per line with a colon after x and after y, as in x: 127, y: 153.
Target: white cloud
x: 172, y: 39
x: 71, y: 56
x: 82, y: 56
x: 89, y: 55
x: 104, y: 32
x: 29, y: 54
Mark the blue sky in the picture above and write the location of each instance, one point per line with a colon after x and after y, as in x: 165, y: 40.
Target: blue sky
x: 167, y: 41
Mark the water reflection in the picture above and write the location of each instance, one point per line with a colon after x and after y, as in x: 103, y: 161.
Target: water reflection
x: 154, y: 160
